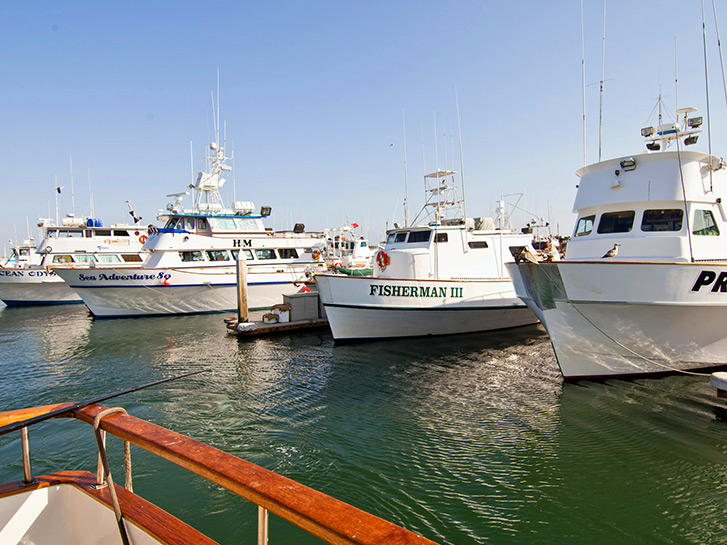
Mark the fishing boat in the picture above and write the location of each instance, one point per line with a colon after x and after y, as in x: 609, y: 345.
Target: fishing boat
x: 643, y: 286
x: 85, y: 508
x: 191, y: 264
x: 443, y: 276
x: 27, y: 279
x: 346, y: 252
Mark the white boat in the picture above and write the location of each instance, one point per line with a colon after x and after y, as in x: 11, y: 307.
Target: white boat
x: 191, y: 267
x: 643, y: 287
x: 29, y: 279
x: 347, y: 252
x: 89, y: 508
x: 443, y: 277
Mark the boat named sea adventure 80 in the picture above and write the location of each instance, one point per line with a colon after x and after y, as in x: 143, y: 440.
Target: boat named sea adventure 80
x: 442, y: 277
x: 191, y: 266
x: 643, y: 288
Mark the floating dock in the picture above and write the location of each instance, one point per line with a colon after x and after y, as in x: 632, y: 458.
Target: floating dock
x: 299, y: 312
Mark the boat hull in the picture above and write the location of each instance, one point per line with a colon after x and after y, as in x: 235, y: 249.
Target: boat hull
x: 619, y: 319
x: 375, y: 308
x: 157, y: 292
x: 21, y: 287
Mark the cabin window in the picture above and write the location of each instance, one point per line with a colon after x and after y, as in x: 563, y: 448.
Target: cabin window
x: 131, y: 258
x: 202, y: 224
x: 118, y: 233
x: 102, y: 233
x: 62, y: 259
x: 440, y: 237
x: 108, y: 258
x: 226, y: 224
x: 218, y: 255
x: 419, y: 236
x: 704, y: 223
x: 662, y: 220
x: 248, y: 254
x: 85, y: 258
x: 365, y: 245
x: 194, y: 255
x: 265, y: 254
x: 585, y: 226
x: 399, y: 237
x: 474, y: 244
x: 288, y: 253
x: 247, y: 224
x: 189, y: 224
x: 616, y: 222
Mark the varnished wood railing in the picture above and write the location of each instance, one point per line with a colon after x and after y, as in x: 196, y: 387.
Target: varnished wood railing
x: 323, y: 516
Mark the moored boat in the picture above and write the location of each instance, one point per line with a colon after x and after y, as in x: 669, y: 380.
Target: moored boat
x: 78, y: 242
x: 642, y: 288
x: 441, y: 277
x: 191, y: 266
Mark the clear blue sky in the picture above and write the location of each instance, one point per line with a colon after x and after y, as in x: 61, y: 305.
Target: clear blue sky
x: 312, y: 95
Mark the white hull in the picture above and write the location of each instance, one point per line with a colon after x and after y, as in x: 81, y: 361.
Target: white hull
x: 34, y: 287
x: 154, y: 292
x: 358, y: 307
x: 617, y: 318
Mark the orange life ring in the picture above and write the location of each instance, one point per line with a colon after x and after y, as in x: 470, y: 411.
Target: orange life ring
x: 383, y: 260
x: 316, y: 255
x: 143, y: 239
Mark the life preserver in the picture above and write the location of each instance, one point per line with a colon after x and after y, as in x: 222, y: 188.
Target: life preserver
x: 316, y: 255
x: 337, y: 265
x: 143, y: 238
x: 383, y: 260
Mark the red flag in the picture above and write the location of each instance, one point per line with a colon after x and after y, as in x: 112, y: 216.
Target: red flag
x: 354, y: 225
x: 304, y: 289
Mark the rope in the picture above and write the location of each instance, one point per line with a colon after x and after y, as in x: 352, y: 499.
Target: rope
x: 100, y: 440
x: 575, y: 307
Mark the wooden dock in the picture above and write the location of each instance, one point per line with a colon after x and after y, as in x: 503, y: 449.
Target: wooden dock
x: 259, y: 329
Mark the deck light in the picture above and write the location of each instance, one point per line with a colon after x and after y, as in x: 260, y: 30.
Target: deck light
x: 299, y: 228
x: 695, y: 122
x: 653, y: 146
x: 647, y: 131
x: 265, y: 211
x: 628, y: 164
x: 689, y: 140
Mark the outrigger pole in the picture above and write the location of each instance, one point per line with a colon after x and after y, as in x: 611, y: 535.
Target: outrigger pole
x: 81, y: 404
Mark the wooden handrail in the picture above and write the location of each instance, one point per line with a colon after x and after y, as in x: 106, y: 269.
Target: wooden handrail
x: 323, y: 516
x: 11, y: 417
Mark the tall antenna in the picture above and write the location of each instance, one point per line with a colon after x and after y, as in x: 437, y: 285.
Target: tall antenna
x: 73, y: 197
x: 214, y: 117
x: 90, y: 190
x: 706, y: 87
x: 676, y: 79
x: 719, y: 46
x: 603, y: 75
x: 406, y: 179
x: 58, y: 191
x: 583, y: 82
x: 461, y: 156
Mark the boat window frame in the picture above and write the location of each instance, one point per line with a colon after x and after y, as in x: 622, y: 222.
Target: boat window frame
x: 415, y: 236
x: 292, y: 251
x: 259, y: 254
x: 192, y: 253
x: 212, y: 255
x: 583, y: 219
x: 712, y: 230
x: 248, y: 254
x: 478, y: 244
x: 441, y: 238
x: 662, y: 221
x: 618, y: 225
x: 63, y: 258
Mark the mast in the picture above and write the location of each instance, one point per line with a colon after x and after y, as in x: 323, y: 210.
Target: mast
x: 583, y: 83
x: 706, y: 88
x: 406, y: 180
x: 461, y: 156
x: 603, y: 75
x: 73, y: 197
x: 719, y: 46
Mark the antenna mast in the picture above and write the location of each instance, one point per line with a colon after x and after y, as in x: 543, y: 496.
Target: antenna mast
x: 90, y: 190
x: 719, y: 46
x: 461, y: 156
x: 706, y: 87
x: 406, y: 179
x: 603, y: 75
x: 73, y: 197
x: 583, y: 83
x: 57, y: 193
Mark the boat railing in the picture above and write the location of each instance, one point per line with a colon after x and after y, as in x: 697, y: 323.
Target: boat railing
x: 321, y: 515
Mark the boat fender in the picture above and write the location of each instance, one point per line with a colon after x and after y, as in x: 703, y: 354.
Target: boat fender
x: 383, y: 260
x: 166, y: 282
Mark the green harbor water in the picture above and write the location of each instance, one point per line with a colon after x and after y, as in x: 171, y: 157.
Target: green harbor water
x: 464, y: 439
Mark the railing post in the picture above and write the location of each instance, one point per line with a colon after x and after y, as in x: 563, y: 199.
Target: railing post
x: 262, y: 526
x: 25, y: 443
